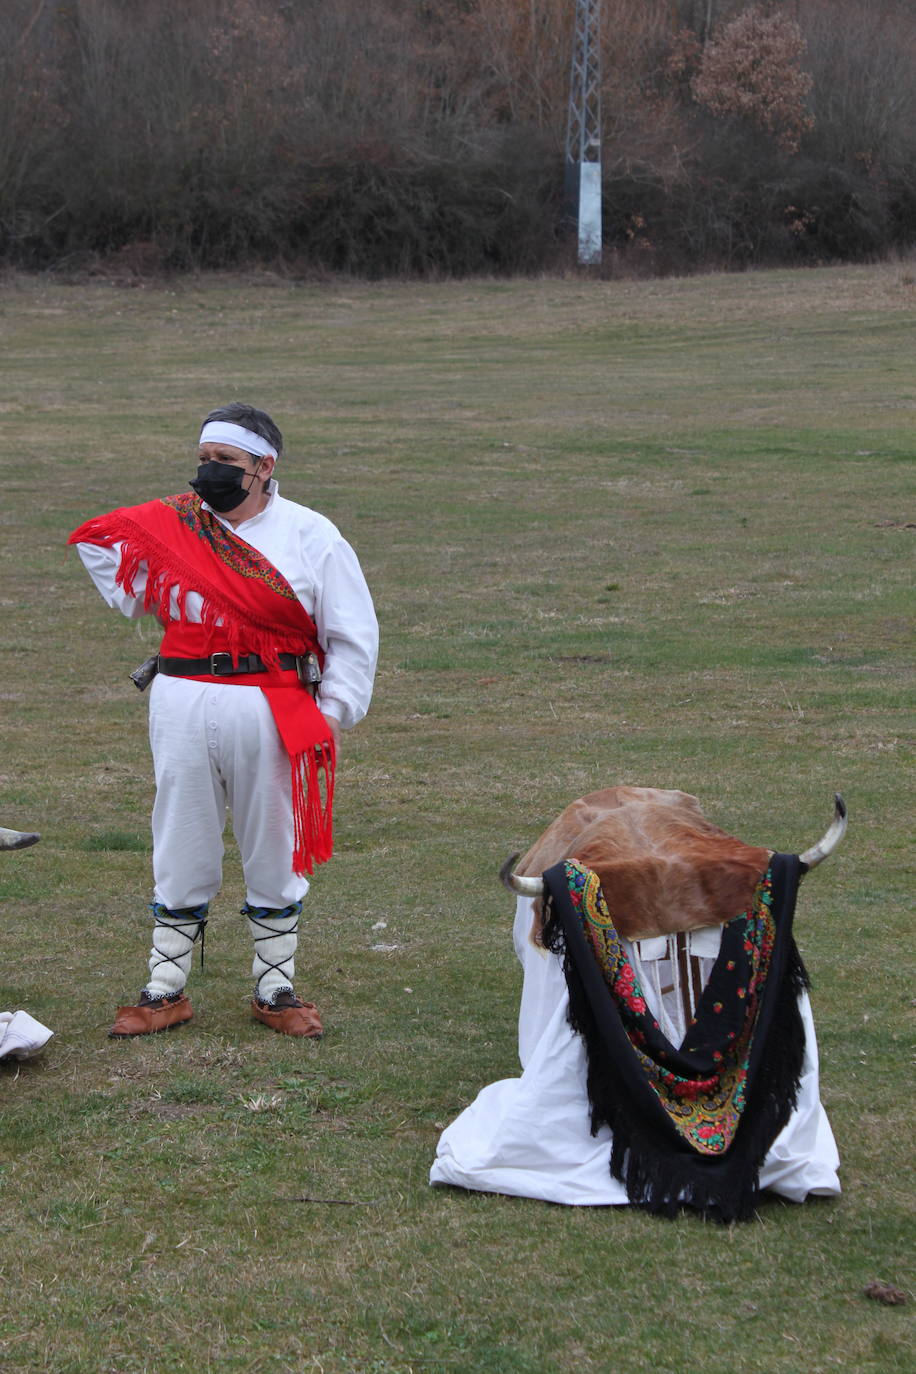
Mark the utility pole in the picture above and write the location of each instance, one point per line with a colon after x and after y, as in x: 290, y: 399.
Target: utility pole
x: 583, y: 131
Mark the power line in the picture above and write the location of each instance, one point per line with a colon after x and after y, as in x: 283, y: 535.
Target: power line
x: 583, y: 131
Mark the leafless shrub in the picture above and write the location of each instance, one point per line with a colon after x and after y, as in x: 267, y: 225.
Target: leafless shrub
x: 862, y: 56
x: 32, y: 118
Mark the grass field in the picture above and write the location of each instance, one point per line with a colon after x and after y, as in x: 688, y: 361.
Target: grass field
x: 653, y: 532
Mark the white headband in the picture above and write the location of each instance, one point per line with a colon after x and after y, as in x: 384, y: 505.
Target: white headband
x: 221, y: 432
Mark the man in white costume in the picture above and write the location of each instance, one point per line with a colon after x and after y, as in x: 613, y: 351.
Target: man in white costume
x: 267, y: 618
x: 531, y: 1136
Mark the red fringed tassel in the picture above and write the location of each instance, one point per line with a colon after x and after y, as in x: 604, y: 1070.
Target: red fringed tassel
x: 312, y: 811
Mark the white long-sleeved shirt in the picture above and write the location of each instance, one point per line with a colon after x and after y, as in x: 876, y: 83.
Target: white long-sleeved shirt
x: 322, y: 570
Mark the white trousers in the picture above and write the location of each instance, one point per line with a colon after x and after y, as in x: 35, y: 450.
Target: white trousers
x: 216, y: 748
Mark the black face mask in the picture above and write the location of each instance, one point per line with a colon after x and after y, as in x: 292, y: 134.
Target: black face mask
x: 220, y: 485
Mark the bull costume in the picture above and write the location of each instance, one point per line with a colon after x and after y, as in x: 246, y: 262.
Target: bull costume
x: 666, y: 1072
x: 269, y: 649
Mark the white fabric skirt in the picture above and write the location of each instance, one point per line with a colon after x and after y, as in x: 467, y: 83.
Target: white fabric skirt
x: 531, y: 1136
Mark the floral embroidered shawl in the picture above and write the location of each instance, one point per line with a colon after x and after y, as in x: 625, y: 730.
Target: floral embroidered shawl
x: 691, y: 1123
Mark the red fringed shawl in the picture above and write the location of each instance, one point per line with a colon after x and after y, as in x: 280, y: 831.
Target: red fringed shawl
x: 248, y: 608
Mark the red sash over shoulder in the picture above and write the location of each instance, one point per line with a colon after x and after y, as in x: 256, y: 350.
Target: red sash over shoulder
x: 248, y: 608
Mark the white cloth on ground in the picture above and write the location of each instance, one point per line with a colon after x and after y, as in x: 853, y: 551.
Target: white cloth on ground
x: 21, y: 1035
x: 531, y: 1136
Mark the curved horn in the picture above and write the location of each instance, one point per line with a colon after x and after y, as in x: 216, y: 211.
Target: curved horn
x: 16, y: 839
x: 526, y: 887
x: 828, y: 843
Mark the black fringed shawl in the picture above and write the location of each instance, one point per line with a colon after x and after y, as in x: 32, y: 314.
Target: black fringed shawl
x: 691, y: 1124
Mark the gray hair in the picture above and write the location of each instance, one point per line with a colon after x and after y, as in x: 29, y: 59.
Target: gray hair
x: 258, y: 421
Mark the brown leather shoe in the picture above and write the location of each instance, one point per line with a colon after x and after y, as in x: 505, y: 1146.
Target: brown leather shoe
x: 289, y: 1015
x: 151, y: 1014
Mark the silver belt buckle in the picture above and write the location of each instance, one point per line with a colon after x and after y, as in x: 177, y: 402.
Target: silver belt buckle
x: 216, y: 660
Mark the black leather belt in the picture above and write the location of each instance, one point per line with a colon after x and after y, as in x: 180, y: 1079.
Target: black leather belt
x: 221, y: 665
